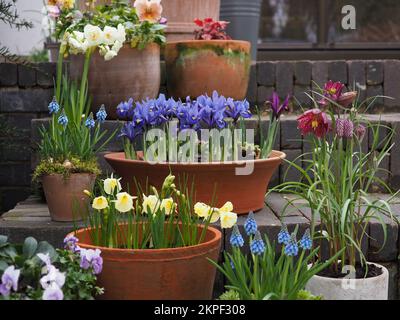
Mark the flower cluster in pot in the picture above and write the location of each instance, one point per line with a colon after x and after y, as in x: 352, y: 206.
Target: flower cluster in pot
x: 155, y: 219
x: 336, y: 180
x: 37, y: 271
x: 267, y: 273
x: 190, y: 117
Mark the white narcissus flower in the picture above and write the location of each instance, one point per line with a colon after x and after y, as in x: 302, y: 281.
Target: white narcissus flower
x: 112, y: 184
x: 110, y: 54
x: 202, y: 210
x: 227, y: 207
x: 150, y: 203
x: 121, y: 34
x: 110, y: 35
x: 100, y: 203
x: 117, y: 46
x: 148, y: 10
x: 168, y: 205
x: 94, y: 35
x: 124, y: 202
x: 228, y: 219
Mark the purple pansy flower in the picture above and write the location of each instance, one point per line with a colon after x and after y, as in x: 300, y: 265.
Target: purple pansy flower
x: 9, y: 280
x: 53, y: 275
x: 70, y: 243
x: 91, y: 258
x: 53, y: 292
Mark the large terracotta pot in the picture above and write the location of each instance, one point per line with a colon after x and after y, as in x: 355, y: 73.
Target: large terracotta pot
x: 65, y: 197
x: 132, y: 73
x: 246, y: 192
x: 197, y: 67
x: 375, y: 288
x: 158, y: 274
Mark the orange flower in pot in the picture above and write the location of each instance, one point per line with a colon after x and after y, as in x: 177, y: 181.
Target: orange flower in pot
x: 154, y: 245
x: 213, y: 61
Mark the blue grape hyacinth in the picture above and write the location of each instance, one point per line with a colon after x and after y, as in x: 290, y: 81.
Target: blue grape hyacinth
x: 63, y: 119
x: 306, y: 241
x: 250, y: 225
x: 101, y: 115
x: 54, y: 107
x: 292, y: 249
x: 283, y: 235
x: 236, y: 238
x: 257, y: 246
x: 90, y: 123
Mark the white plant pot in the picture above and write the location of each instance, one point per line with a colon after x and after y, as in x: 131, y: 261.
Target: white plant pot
x: 376, y: 288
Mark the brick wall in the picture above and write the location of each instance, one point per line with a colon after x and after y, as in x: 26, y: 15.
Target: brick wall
x: 25, y: 93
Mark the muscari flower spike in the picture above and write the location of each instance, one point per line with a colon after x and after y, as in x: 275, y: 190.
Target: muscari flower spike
x: 236, y: 238
x: 250, y: 225
x: 306, y: 241
x: 54, y: 107
x: 292, y: 249
x: 90, y: 123
x: 63, y: 119
x: 257, y: 246
x: 283, y: 235
x: 101, y: 115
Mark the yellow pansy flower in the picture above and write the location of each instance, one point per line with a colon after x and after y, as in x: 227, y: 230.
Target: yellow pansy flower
x: 100, y: 203
x: 124, y: 202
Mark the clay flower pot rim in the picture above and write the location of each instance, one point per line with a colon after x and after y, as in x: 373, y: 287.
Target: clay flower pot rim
x: 68, y: 176
x: 216, y: 236
x: 117, y: 155
x: 383, y: 274
x: 216, y: 41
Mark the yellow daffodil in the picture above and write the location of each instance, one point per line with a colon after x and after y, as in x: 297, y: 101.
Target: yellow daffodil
x: 204, y: 211
x: 150, y: 203
x: 112, y: 184
x: 168, y: 205
x: 100, y: 203
x: 228, y: 219
x: 227, y: 207
x: 124, y: 202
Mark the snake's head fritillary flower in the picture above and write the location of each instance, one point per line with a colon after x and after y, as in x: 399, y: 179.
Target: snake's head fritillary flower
x: 283, y: 235
x: 257, y: 245
x: 360, y: 131
x: 314, y: 121
x: 250, y: 225
x: 306, y: 241
x: 344, y: 128
x: 332, y: 90
x: 236, y: 238
x: 347, y: 98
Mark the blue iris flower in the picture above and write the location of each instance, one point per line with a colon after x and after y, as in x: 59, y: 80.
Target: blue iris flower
x: 125, y: 109
x: 188, y: 115
x: 130, y: 130
x: 236, y: 109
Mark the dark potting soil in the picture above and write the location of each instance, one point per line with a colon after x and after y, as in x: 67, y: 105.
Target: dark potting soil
x: 373, y: 271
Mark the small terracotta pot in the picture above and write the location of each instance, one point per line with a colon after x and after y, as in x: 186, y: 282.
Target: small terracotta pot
x: 246, y: 192
x: 65, y: 196
x: 196, y: 67
x: 158, y: 274
x: 133, y: 73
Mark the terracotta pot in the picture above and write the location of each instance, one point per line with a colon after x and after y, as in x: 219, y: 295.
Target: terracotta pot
x: 197, y: 67
x: 246, y: 192
x: 158, y: 274
x: 65, y: 196
x: 132, y: 73
x: 375, y: 288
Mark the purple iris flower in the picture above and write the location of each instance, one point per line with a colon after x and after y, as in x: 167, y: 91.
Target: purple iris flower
x: 131, y: 130
x: 236, y: 109
x: 125, y: 109
x: 277, y: 107
x: 188, y: 115
x: 212, y: 110
x: 9, y: 280
x: 91, y: 258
